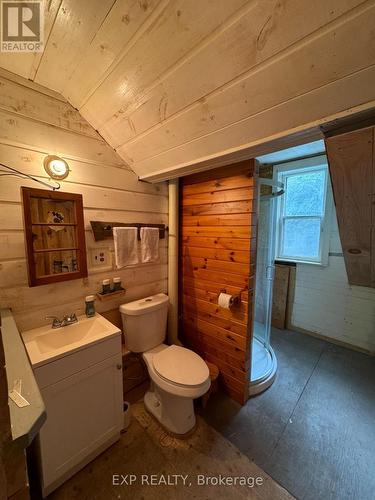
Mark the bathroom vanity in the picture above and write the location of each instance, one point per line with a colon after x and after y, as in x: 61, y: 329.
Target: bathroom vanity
x: 79, y: 372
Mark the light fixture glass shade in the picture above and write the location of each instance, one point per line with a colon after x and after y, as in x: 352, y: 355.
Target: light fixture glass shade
x: 56, y: 167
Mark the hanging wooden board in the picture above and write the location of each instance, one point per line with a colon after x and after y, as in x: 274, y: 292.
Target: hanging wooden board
x: 351, y: 165
x: 280, y: 296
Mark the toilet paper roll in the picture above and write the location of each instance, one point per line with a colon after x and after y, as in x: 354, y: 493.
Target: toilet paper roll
x: 225, y: 300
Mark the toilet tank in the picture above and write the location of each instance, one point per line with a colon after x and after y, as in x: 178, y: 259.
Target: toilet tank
x: 145, y: 322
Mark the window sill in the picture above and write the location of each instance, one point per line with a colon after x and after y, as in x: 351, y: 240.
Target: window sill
x: 280, y: 260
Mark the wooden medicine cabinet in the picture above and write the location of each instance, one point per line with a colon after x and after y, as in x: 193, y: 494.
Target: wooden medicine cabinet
x: 54, y: 236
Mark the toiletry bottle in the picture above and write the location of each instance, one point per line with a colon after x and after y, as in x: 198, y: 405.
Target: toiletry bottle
x: 117, y: 284
x: 90, y: 306
x: 106, y: 286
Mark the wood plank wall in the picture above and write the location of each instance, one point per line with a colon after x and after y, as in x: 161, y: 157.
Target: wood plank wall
x: 217, y: 254
x: 352, y: 168
x: 35, y: 122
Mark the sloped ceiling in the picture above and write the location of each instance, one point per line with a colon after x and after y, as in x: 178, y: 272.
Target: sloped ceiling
x: 172, y: 83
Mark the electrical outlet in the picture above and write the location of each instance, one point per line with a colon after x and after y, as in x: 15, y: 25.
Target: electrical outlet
x: 100, y: 257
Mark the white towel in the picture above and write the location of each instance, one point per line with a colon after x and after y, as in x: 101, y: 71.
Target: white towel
x: 125, y: 239
x: 149, y: 244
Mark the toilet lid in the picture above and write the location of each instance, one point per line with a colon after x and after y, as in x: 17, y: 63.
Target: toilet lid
x: 181, y: 366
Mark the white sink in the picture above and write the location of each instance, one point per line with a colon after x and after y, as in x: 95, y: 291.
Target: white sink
x: 79, y: 372
x: 45, y: 344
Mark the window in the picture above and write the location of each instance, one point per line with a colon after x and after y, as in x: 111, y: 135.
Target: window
x: 303, y: 211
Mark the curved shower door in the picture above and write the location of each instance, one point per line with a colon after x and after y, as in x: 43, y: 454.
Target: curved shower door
x: 263, y: 360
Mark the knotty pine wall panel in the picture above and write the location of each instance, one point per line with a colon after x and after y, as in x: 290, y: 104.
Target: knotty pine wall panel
x: 217, y: 254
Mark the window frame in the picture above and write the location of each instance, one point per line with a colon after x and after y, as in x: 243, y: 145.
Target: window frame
x: 315, y: 163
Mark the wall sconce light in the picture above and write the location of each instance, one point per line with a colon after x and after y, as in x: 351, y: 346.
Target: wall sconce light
x: 56, y: 167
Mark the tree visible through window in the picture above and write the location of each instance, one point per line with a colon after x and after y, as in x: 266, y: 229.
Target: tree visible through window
x: 302, y: 212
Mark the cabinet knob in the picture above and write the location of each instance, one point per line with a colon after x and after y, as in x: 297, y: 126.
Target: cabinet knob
x: 119, y: 366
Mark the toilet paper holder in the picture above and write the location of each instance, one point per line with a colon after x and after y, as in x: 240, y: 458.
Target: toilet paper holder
x: 234, y: 300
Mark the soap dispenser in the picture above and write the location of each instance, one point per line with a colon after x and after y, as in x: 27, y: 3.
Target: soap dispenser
x: 90, y: 306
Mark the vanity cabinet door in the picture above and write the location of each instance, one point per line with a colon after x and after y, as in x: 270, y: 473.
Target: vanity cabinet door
x: 84, y: 416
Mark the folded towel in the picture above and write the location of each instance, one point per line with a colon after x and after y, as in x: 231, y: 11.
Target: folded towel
x: 149, y: 244
x: 125, y: 239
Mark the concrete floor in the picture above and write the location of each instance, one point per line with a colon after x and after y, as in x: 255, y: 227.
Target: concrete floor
x: 145, y: 449
x: 313, y: 431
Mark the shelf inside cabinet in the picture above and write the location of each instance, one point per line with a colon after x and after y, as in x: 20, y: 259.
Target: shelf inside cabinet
x: 54, y: 224
x: 43, y: 250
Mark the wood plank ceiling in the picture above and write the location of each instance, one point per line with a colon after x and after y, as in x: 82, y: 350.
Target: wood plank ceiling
x: 169, y: 83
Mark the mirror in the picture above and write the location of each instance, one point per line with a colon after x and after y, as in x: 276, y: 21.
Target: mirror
x: 55, y: 236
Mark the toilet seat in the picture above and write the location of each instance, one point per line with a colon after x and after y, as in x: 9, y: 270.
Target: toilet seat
x: 186, y: 391
x: 180, y: 366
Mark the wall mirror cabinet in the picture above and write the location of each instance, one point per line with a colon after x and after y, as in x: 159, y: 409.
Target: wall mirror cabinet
x: 54, y: 236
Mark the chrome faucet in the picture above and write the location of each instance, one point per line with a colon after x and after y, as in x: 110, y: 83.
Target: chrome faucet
x: 68, y: 319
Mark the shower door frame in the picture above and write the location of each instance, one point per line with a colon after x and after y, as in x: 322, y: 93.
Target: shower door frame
x: 261, y: 384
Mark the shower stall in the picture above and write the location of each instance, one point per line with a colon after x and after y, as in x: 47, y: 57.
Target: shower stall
x: 263, y: 358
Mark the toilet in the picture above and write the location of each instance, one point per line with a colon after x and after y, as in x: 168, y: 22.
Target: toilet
x: 178, y: 375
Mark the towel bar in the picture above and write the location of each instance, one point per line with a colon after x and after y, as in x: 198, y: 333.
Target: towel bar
x: 103, y: 230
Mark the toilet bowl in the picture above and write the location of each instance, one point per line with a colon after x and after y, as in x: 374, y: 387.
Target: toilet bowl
x: 178, y: 375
